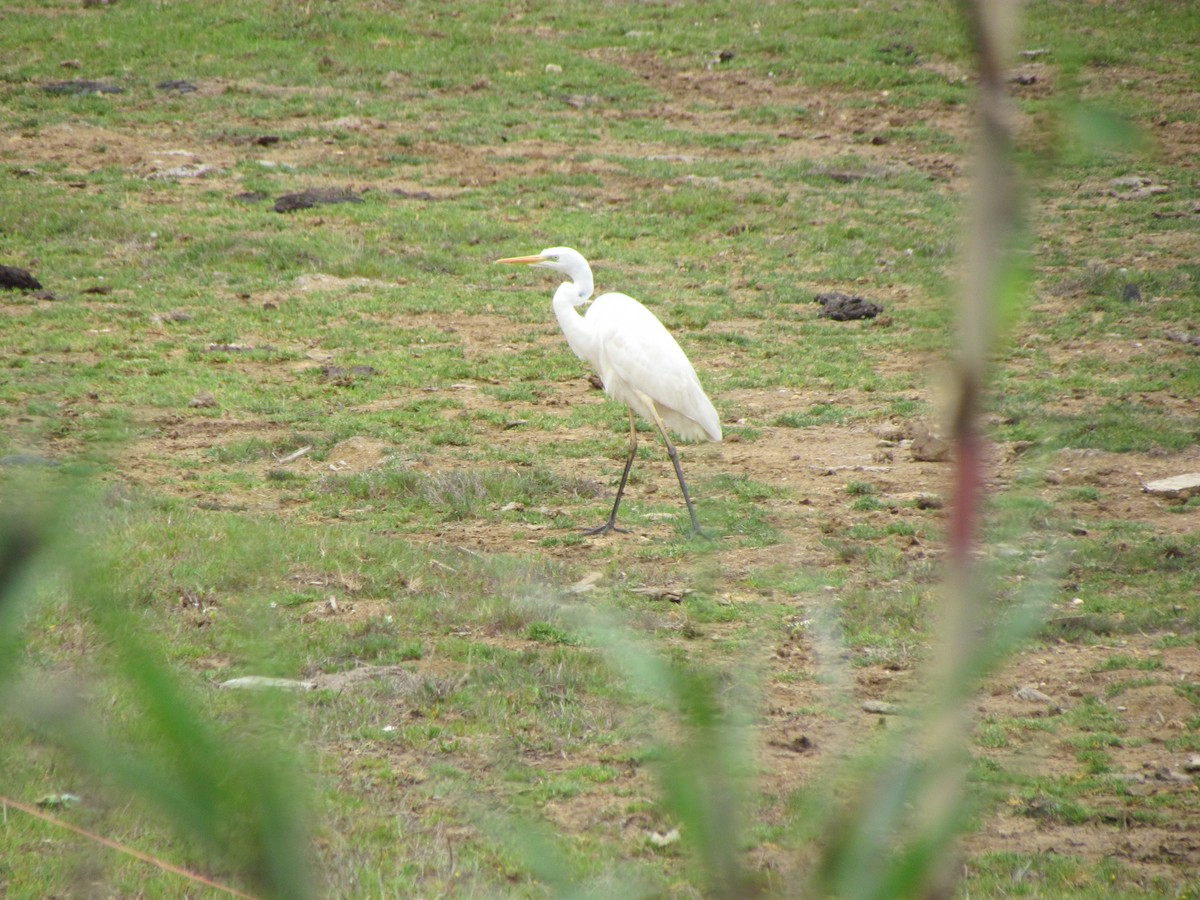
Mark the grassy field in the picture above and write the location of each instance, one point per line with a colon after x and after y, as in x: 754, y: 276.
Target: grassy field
x: 337, y: 445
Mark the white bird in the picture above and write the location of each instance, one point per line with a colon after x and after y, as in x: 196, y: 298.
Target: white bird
x: 638, y: 362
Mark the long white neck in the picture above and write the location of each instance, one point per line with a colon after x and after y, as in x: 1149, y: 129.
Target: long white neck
x: 569, y: 296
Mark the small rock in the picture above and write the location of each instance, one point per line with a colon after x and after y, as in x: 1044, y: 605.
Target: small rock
x: 553, y: 69
x: 1193, y: 763
x: 1032, y: 695
x: 203, y: 400
x: 1175, y: 486
x: 309, y: 198
x: 1170, y: 776
x: 18, y: 279
x: 262, y: 682
x: 881, y: 708
x: 293, y: 456
x: 927, y: 447
x: 587, y: 583
x: 844, y: 308
x: 188, y: 170
x: 1182, y: 337
x: 229, y: 348
x: 663, y: 840
x: 178, y: 85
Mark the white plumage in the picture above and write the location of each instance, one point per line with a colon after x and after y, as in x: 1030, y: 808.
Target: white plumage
x: 637, y: 359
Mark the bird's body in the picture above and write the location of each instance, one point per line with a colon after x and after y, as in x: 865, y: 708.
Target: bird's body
x: 637, y: 359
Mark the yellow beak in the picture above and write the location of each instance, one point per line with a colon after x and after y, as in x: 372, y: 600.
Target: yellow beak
x: 522, y: 260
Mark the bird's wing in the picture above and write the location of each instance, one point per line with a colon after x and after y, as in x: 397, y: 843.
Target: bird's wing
x: 638, y: 356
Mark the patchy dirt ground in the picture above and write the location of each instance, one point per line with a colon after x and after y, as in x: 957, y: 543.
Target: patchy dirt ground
x: 813, y: 464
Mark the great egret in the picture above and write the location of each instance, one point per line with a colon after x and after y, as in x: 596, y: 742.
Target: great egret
x: 637, y: 360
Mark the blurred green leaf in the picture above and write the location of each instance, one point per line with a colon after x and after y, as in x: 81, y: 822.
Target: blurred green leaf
x: 235, y: 794
x: 1095, y: 130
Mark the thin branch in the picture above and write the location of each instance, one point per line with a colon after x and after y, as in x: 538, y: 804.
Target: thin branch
x: 121, y: 848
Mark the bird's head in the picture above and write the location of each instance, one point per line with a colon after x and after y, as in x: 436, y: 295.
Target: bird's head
x: 560, y: 259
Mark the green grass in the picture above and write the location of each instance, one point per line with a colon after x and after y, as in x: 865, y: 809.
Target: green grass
x: 826, y: 153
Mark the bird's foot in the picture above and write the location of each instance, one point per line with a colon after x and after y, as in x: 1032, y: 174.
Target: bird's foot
x: 601, y: 530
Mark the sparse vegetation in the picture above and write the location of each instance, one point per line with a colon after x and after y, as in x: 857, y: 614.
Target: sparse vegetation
x: 337, y: 442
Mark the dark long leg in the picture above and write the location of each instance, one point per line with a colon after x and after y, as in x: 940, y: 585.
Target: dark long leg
x: 674, y: 454
x: 611, y: 524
